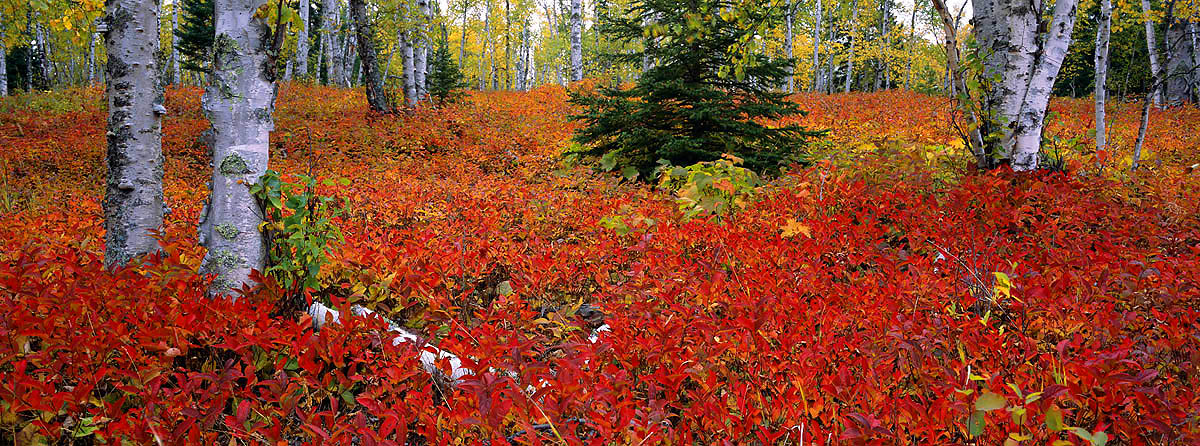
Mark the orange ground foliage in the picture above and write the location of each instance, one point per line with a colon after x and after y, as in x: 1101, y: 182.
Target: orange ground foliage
x: 886, y: 295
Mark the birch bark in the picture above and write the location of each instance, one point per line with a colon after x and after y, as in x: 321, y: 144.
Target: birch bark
x: 1152, y: 48
x: 787, y: 48
x: 238, y: 101
x: 328, y: 37
x: 576, y: 40
x: 853, y: 31
x: 1103, y: 31
x: 816, y: 58
x: 410, y: 83
x: 133, y: 196
x: 302, y: 41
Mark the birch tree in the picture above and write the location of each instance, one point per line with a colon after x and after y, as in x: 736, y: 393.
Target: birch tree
x: 376, y: 97
x: 238, y: 101
x: 1103, y: 32
x: 576, y: 40
x: 1024, y: 56
x: 133, y: 196
x: 816, y: 58
x: 788, y: 47
x: 410, y: 83
x: 421, y: 50
x: 1152, y: 47
x: 3, y: 63
x: 302, y: 40
x: 329, y: 48
x: 853, y: 31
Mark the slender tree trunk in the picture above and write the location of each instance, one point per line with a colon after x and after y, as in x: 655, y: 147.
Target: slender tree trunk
x: 302, y: 41
x: 881, y: 66
x: 912, y: 35
x: 1103, y: 30
x: 576, y: 40
x: 787, y: 48
x: 483, y: 44
x: 816, y: 58
x: 1152, y: 47
x: 376, y: 97
x: 850, y: 58
x: 175, y: 72
x: 1143, y: 128
x: 508, y: 44
x: 91, y: 62
x: 133, y: 196
x: 238, y: 101
x: 462, y: 43
x: 3, y: 64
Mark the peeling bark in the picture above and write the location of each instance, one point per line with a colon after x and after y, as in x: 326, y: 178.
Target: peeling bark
x: 1025, y: 55
x: 410, y: 83
x: 238, y: 101
x: 329, y: 13
x: 133, y: 197
x: 421, y: 49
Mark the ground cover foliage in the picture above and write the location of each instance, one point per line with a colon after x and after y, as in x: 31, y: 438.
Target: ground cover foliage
x: 884, y: 295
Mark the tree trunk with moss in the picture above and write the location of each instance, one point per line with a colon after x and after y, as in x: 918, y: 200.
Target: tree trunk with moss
x: 238, y: 101
x: 133, y: 196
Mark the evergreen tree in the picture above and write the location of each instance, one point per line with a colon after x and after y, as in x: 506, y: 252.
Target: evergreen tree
x: 195, y: 35
x: 446, y: 81
x: 707, y: 94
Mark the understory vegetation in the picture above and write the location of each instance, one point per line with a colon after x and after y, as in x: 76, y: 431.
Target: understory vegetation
x: 886, y: 293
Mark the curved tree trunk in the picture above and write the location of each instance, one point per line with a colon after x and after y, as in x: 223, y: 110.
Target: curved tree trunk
x: 376, y: 97
x: 238, y: 101
x: 133, y: 197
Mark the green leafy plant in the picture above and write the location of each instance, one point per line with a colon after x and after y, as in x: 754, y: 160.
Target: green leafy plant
x: 716, y: 187
x: 299, y: 228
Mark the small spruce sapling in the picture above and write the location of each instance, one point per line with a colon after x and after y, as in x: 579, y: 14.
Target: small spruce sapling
x: 446, y: 81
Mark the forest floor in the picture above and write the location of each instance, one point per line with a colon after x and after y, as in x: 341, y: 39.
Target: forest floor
x: 886, y: 293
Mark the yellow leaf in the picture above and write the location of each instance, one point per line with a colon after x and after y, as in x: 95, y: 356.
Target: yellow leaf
x: 793, y: 227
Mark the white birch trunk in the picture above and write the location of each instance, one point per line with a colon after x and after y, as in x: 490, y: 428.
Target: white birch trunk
x: 421, y: 50
x: 576, y: 40
x: 816, y: 58
x: 1103, y: 31
x: 238, y: 101
x: 328, y: 37
x: 175, y: 71
x: 1152, y: 47
x: 788, y: 49
x: 1032, y: 112
x: 410, y: 83
x: 133, y: 197
x: 302, y: 41
x: 912, y: 31
x: 850, y: 58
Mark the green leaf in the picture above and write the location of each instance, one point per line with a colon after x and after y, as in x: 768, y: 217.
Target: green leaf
x: 975, y: 424
x: 989, y: 401
x: 1054, y: 419
x: 504, y: 288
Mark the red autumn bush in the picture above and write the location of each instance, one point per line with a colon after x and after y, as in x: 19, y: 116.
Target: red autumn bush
x: 884, y: 297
